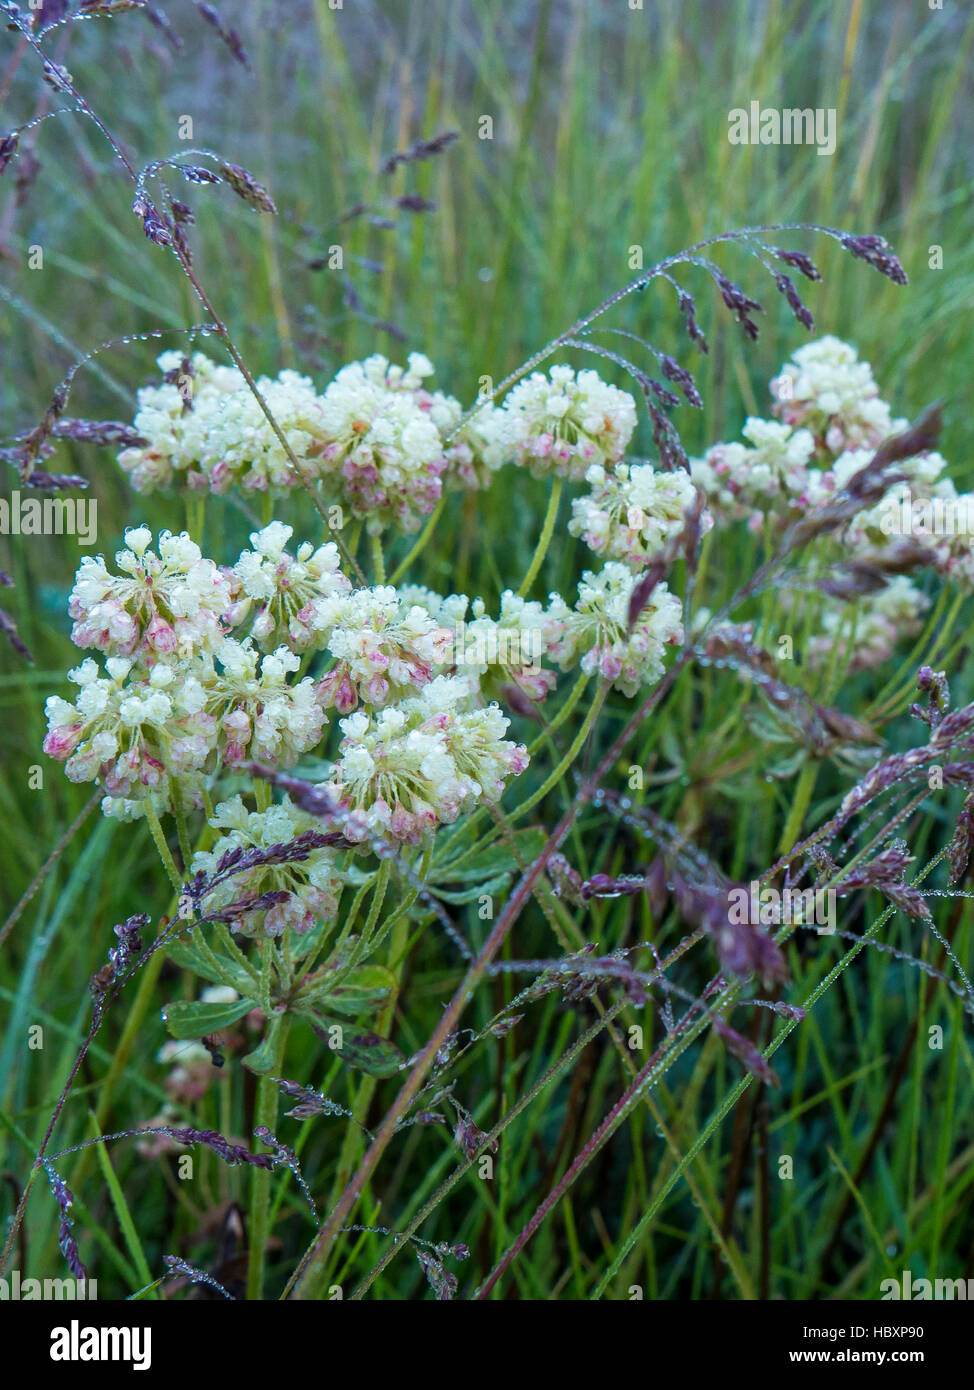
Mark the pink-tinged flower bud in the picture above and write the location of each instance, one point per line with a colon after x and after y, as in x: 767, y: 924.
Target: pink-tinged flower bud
x: 236, y: 725
x: 220, y: 477
x: 300, y: 626
x: 120, y: 778
x: 236, y: 613
x: 151, y: 772
x: 237, y: 732
x: 161, y: 636
x: 402, y: 825
x: 84, y: 766
x: 518, y: 759
x: 263, y: 625
x: 61, y: 742
x: 541, y: 447
x: 610, y: 665
x: 375, y: 692
x: 122, y: 628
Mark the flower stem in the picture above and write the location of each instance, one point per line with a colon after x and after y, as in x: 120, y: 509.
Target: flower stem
x: 803, y: 795
x: 378, y: 559
x: 556, y: 775
x: 421, y: 543
x: 168, y: 863
x: 265, y: 1113
x: 544, y: 540
x: 182, y: 831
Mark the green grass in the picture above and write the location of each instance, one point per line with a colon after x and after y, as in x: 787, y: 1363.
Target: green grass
x: 609, y: 132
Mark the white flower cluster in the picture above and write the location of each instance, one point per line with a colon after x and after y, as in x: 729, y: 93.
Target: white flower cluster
x: 290, y: 594
x: 832, y: 420
x: 633, y: 511
x: 828, y: 391
x: 313, y: 883
x: 203, y: 669
x: 179, y: 698
x: 473, y: 450
x: 380, y: 449
x: 140, y: 728
x: 505, y: 654
x: 257, y: 713
x: 595, y: 634
x: 130, y: 727
x: 164, y: 601
x: 770, y: 473
x: 905, y: 522
x: 206, y: 430
x: 374, y: 441
x: 424, y: 762
x: 563, y: 423
x: 502, y: 652
x: 384, y: 648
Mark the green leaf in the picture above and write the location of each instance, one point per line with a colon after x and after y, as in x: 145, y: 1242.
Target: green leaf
x: 363, y: 990
x: 192, y: 1019
x: 263, y: 1059
x: 189, y: 956
x: 491, y: 888
x: 359, y: 1047
x: 488, y: 863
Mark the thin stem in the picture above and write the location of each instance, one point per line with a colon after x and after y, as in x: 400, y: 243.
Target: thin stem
x: 544, y: 540
x: 421, y: 543
x: 734, y: 1095
x: 799, y: 805
x: 265, y: 1114
x: 378, y: 559
x: 182, y: 831
x: 159, y: 839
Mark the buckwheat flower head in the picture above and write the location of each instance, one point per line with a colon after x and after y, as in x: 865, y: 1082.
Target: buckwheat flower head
x: 205, y: 429
x: 132, y: 728
x: 257, y: 713
x: 632, y: 511
x: 826, y: 389
x: 286, y: 593
x: 158, y: 602
x: 563, y: 423
x: 508, y: 649
x: 867, y: 635
x: 473, y: 735
x: 923, y: 470
x: 241, y: 446
x: 476, y: 451
x: 770, y: 473
x: 497, y: 652
x: 383, y: 647
x: 594, y: 634
x: 921, y: 520
x: 381, y: 453
x: 412, y: 767
x: 313, y: 883
x: 173, y: 418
